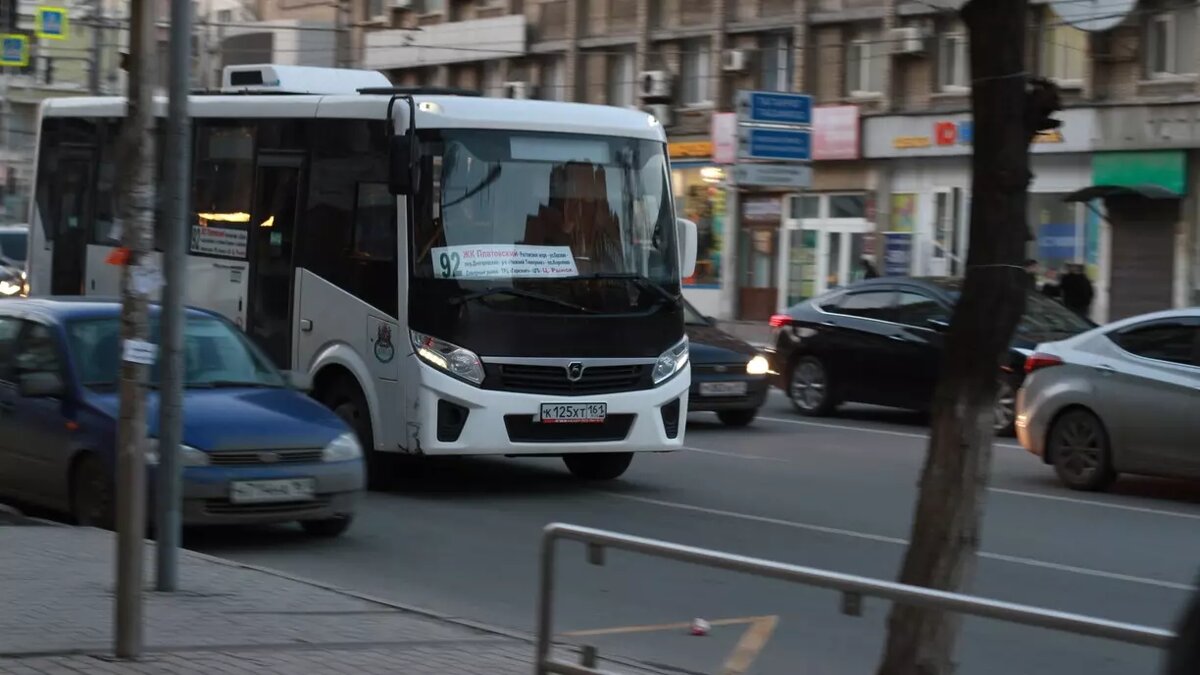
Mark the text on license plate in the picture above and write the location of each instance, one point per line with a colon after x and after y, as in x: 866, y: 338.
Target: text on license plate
x: 262, y: 491
x: 573, y: 413
x: 722, y: 388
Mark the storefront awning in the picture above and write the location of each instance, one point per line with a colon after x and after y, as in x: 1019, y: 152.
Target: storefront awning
x: 1147, y: 190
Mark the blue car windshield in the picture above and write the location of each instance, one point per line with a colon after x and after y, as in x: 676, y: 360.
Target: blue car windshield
x: 215, y: 354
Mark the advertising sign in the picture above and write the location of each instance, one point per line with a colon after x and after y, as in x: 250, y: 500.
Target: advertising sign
x: 897, y: 253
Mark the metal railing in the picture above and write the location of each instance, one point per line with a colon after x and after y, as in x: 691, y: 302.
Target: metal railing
x: 852, y: 588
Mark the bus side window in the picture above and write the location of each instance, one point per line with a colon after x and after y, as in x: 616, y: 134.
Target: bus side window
x: 47, y: 168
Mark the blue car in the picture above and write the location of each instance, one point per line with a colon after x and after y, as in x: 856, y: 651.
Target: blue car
x: 256, y: 450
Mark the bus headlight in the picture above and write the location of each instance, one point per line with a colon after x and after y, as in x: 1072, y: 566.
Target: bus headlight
x: 758, y: 366
x: 341, y: 449
x: 450, y: 358
x: 671, y: 361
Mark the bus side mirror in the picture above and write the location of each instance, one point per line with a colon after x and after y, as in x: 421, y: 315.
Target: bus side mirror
x: 400, y: 165
x: 687, y: 247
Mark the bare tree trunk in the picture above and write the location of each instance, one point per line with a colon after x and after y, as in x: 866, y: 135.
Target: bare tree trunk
x: 946, y: 528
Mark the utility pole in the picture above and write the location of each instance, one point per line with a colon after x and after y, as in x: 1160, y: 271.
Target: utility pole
x: 97, y: 39
x: 136, y: 170
x: 170, y: 426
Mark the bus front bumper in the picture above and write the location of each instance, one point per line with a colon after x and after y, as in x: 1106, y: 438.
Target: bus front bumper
x: 457, y: 418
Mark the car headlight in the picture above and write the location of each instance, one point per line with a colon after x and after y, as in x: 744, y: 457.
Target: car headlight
x: 758, y: 366
x: 671, y: 361
x: 188, y: 456
x: 461, y: 363
x: 341, y: 449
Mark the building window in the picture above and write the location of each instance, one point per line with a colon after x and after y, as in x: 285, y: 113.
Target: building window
x: 776, y: 59
x: 621, y: 78
x: 953, y: 62
x: 696, y: 72
x: 375, y: 10
x: 1171, y: 43
x: 1064, y: 53
x: 864, y: 68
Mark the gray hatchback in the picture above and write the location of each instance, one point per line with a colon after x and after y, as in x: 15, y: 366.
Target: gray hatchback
x: 1120, y: 398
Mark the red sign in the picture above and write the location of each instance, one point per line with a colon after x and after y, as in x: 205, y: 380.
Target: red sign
x: 835, y: 132
x: 945, y: 133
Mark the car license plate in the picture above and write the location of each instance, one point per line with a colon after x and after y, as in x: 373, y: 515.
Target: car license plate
x: 573, y: 413
x: 264, y: 491
x: 722, y: 388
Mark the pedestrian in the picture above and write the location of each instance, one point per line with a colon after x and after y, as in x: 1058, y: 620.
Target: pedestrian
x: 1077, y: 291
x: 1051, y: 287
x: 868, y: 269
x: 1183, y: 656
x: 1031, y: 270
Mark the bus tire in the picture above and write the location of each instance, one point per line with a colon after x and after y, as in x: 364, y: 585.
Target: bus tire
x: 346, y: 401
x: 598, y: 465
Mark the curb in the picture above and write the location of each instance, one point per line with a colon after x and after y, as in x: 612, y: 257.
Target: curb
x: 411, y: 609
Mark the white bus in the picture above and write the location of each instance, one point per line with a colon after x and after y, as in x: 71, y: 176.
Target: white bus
x: 459, y: 275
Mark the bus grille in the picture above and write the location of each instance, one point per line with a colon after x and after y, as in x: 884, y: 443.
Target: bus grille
x: 523, y: 429
x: 553, y: 379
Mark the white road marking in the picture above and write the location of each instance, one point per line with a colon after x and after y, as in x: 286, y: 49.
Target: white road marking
x: 1091, y: 502
x: 869, y: 430
x: 1017, y: 560
x: 1003, y: 491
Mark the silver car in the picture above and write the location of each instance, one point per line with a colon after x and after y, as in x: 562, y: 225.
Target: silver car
x: 1120, y: 398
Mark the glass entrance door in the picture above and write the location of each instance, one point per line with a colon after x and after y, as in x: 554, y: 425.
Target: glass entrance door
x: 825, y: 258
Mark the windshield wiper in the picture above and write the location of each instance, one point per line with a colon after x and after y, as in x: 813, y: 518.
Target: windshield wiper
x: 639, y: 280
x: 518, y: 293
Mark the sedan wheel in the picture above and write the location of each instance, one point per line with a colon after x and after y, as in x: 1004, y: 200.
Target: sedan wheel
x: 809, y: 387
x: 1005, y: 408
x: 1079, y: 448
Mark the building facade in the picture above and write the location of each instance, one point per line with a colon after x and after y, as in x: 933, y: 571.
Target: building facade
x: 892, y: 183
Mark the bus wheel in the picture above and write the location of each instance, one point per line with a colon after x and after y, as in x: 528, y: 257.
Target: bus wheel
x: 598, y: 465
x: 348, y: 403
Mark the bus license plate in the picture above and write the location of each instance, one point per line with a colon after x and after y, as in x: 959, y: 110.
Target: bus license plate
x: 573, y: 413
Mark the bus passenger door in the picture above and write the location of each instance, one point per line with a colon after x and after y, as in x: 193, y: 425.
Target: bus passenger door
x: 71, y: 206
x: 272, y: 242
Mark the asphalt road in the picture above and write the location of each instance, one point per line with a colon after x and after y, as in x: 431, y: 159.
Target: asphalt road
x: 461, y: 537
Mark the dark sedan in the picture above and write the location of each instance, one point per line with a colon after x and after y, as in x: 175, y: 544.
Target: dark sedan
x: 729, y: 376
x: 880, y: 342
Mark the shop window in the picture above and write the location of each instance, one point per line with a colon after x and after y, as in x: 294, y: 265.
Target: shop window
x: 701, y: 199
x: 848, y: 206
x: 903, y: 217
x: 806, y: 207
x: 1057, y: 233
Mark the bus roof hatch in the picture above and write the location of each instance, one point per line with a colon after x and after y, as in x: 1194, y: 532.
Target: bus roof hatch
x: 275, y: 79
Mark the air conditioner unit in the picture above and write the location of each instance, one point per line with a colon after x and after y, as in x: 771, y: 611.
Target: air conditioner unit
x: 909, y: 40
x: 661, y: 112
x: 655, y: 85
x: 516, y: 89
x: 735, y: 61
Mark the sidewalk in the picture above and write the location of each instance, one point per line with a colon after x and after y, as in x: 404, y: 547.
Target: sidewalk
x: 56, y: 585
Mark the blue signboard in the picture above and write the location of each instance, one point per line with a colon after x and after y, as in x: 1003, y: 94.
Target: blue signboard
x: 782, y: 144
x: 52, y: 23
x: 769, y: 107
x: 14, y: 50
x: 897, y: 254
x: 1056, y: 242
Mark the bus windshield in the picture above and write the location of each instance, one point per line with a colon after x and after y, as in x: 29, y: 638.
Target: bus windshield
x: 499, y: 206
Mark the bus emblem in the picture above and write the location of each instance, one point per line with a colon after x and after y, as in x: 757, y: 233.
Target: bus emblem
x: 384, y: 351
x: 575, y: 371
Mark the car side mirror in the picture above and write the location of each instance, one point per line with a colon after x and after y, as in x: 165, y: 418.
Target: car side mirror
x: 688, y: 245
x: 400, y: 165
x: 41, y: 385
x: 299, y: 380
x: 940, y: 325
